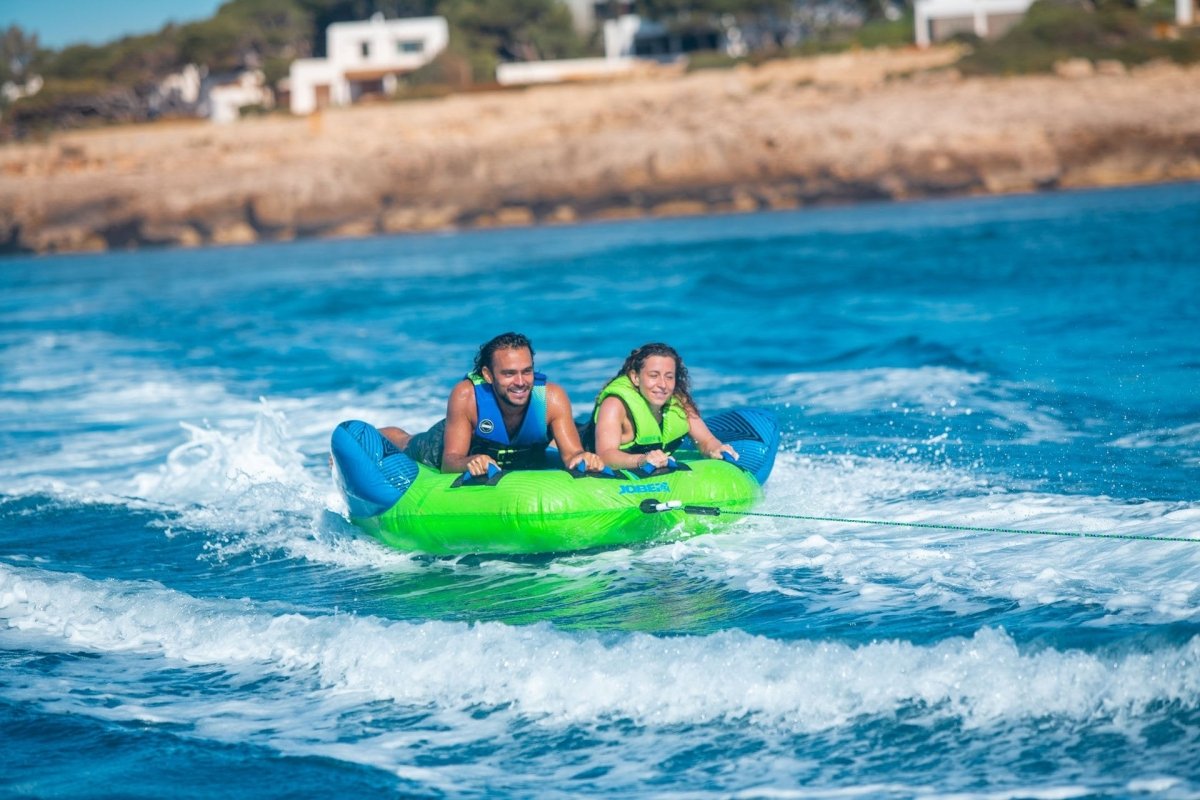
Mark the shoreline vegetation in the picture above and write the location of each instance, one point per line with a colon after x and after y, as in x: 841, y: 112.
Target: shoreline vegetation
x: 884, y: 124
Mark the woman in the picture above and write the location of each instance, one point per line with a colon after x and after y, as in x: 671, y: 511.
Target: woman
x: 644, y: 413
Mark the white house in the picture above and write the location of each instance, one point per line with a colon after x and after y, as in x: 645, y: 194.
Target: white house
x: 619, y: 36
x: 183, y: 87
x: 364, y: 58
x: 222, y: 97
x: 12, y: 91
x: 1185, y: 12
x: 629, y: 42
x: 940, y: 19
x: 629, y: 35
x: 583, y: 15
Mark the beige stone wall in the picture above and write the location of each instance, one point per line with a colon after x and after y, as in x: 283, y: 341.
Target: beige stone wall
x: 786, y: 134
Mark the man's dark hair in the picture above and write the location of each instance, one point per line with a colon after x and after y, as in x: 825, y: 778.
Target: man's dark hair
x: 502, y: 342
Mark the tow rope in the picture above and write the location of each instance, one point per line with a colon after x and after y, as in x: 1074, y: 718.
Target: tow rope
x: 652, y: 506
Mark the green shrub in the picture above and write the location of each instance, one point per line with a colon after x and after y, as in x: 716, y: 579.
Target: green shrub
x: 1053, y: 30
x: 712, y: 59
x: 73, y: 104
x: 886, y: 33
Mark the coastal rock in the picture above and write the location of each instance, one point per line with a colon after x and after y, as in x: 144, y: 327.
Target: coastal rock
x: 411, y: 220
x: 169, y: 234
x: 233, y: 233
x: 869, y: 125
x: 679, y: 208
x: 68, y: 238
x: 1074, y: 68
x: 562, y: 214
x: 507, y: 216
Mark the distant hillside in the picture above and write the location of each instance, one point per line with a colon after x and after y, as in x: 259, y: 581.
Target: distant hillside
x: 116, y: 81
x: 867, y: 125
x: 120, y: 82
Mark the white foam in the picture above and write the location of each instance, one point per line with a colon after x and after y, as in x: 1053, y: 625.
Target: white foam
x: 247, y: 489
x: 110, y: 419
x: 1183, y: 436
x: 959, y: 570
x: 242, y: 478
x: 105, y: 415
x: 925, y: 792
x: 940, y: 389
x: 250, y: 476
x: 1019, y: 793
x: 541, y: 674
x: 1152, y: 785
x: 239, y: 474
x: 940, y: 392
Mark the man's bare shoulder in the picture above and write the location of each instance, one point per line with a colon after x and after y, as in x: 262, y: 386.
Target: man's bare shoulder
x: 462, y: 398
x: 463, y: 387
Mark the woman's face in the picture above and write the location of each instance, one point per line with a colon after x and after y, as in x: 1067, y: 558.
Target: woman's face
x: 655, y: 381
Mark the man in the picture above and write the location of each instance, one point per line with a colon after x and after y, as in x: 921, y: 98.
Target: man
x: 503, y: 414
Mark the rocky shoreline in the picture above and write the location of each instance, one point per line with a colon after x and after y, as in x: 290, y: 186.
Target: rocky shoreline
x: 862, y: 126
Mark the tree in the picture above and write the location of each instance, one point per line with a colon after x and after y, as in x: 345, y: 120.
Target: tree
x: 18, y: 50
x: 134, y: 61
x: 661, y: 9
x: 324, y: 13
x: 272, y: 27
x: 514, y: 30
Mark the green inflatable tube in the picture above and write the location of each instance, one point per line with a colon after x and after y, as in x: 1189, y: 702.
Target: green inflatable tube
x: 414, y: 508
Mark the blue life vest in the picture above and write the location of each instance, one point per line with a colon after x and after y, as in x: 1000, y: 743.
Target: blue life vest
x: 525, y: 450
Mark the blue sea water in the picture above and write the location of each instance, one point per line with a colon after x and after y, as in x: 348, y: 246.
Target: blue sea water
x: 186, y: 612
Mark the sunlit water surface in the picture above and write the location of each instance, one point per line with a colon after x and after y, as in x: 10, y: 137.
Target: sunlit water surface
x: 185, y: 611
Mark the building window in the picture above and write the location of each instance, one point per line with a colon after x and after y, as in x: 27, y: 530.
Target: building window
x: 409, y: 46
x: 366, y: 49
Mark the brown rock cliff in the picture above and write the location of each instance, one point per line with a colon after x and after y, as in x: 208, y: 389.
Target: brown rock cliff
x: 872, y: 125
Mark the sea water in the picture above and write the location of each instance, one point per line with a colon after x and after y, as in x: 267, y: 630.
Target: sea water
x: 186, y: 612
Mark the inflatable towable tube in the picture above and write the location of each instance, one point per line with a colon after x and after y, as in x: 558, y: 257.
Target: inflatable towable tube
x: 409, y: 506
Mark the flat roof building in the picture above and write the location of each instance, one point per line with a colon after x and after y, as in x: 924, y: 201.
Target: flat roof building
x: 937, y: 20
x: 364, y: 58
x: 1185, y: 12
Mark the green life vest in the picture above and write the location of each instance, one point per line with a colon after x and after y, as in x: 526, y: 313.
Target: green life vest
x: 647, y: 435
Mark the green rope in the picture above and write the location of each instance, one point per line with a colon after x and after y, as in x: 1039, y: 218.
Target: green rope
x: 1076, y: 535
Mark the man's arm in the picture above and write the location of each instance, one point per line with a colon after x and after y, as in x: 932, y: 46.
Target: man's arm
x: 566, y: 435
x: 461, y: 416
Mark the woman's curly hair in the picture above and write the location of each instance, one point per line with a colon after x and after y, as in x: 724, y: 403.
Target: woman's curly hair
x: 637, y: 359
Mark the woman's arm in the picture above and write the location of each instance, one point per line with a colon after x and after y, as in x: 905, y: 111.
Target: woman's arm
x: 710, y: 446
x: 612, y: 425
